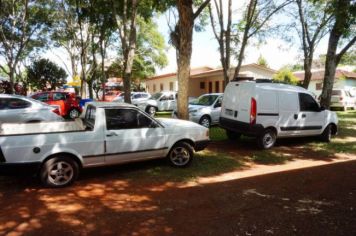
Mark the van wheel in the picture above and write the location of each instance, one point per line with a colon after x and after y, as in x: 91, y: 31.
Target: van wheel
x: 181, y: 155
x: 59, y: 171
x: 231, y: 135
x: 205, y: 121
x: 267, y: 139
x: 151, y: 110
x: 326, y: 135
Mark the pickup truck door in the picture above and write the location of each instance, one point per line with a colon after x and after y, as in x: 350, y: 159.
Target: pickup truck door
x: 132, y: 135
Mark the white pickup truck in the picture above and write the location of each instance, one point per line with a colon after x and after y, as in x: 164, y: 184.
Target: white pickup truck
x: 106, y: 134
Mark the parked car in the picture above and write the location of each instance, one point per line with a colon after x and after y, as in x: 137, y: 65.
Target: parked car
x: 20, y: 109
x: 269, y: 111
x: 110, y: 95
x: 341, y: 98
x: 162, y: 101
x: 136, y: 97
x: 67, y: 103
x: 205, y: 110
x: 107, y: 134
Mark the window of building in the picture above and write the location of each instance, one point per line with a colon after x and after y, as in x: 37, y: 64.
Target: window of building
x: 171, y: 86
x: 210, y: 87
x: 161, y: 87
x: 202, y: 85
x: 217, y: 86
x: 154, y: 88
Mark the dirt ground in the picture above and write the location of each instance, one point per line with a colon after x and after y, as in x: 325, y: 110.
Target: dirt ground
x: 300, y: 198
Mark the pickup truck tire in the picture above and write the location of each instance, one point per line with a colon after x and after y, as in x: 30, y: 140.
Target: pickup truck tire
x: 267, y: 139
x: 151, y: 110
x: 73, y: 113
x: 326, y: 135
x: 59, y: 171
x: 181, y: 154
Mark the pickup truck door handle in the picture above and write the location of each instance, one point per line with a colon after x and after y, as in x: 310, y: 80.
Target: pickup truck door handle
x: 304, y: 115
x: 111, y: 134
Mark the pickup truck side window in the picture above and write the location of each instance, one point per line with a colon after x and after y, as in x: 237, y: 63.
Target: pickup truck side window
x: 308, y: 103
x: 126, y: 119
x: 90, y: 115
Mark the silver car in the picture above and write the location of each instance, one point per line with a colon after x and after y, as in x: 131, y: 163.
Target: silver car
x: 205, y: 110
x: 19, y: 109
x: 136, y: 97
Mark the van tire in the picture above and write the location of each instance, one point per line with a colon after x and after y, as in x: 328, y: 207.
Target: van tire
x: 267, y: 139
x: 326, y: 135
x: 231, y: 135
x: 59, y: 171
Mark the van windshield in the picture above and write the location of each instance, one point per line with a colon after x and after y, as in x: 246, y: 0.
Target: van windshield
x: 206, y: 100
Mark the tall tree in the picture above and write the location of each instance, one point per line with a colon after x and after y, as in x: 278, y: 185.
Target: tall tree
x: 181, y: 39
x: 256, y: 17
x: 223, y: 34
x: 44, y: 74
x: 314, y: 17
x: 344, y: 13
x: 22, y: 29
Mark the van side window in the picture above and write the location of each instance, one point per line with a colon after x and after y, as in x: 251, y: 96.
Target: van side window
x: 307, y: 103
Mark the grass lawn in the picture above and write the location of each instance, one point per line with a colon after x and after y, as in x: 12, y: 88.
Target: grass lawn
x: 235, y: 155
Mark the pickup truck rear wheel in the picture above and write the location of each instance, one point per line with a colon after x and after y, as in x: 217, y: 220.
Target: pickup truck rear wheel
x: 181, y: 155
x: 59, y: 171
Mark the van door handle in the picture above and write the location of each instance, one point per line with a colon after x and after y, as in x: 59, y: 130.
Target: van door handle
x: 295, y: 116
x: 304, y: 115
x: 111, y: 134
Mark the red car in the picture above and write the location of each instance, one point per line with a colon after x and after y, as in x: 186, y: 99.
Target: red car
x: 67, y: 103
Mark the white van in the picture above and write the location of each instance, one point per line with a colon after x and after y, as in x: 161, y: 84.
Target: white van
x: 269, y: 111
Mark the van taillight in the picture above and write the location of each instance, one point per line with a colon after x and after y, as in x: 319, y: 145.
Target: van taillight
x: 253, y: 111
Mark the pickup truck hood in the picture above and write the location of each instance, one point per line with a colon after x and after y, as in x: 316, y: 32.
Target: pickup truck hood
x: 167, y: 122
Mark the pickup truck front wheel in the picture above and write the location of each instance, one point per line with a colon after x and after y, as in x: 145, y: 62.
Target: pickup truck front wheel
x: 59, y: 171
x: 181, y: 155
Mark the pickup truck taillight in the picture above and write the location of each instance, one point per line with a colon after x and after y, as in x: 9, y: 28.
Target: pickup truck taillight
x: 253, y: 111
x: 56, y: 110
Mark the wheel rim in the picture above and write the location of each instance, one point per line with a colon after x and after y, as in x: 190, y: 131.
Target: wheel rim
x: 268, y: 140
x: 73, y: 114
x: 180, y: 156
x: 60, y: 173
x: 152, y: 111
x: 205, y: 122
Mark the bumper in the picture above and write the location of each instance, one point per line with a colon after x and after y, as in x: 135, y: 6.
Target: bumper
x: 29, y: 168
x: 201, y: 145
x: 241, y: 127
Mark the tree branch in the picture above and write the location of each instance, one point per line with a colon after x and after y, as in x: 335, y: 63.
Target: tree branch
x: 200, y: 9
x: 344, y: 50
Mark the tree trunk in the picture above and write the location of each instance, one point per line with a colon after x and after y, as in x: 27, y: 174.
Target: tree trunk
x: 11, y: 80
x: 330, y: 69
x: 307, y: 70
x: 240, y: 57
x: 90, y: 88
x: 184, y: 53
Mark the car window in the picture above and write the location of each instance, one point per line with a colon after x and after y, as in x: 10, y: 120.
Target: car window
x: 336, y: 93
x: 126, y: 119
x: 205, y: 100
x: 307, y: 103
x: 59, y: 96
x: 43, y: 97
x: 171, y: 97
x: 218, y: 102
x: 14, y: 103
x: 90, y: 115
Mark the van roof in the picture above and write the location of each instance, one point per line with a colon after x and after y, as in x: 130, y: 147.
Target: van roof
x: 278, y: 86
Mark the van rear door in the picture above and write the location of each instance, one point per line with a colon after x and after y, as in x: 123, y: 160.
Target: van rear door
x: 237, y: 106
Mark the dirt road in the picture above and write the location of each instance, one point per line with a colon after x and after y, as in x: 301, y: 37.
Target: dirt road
x: 320, y: 200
